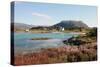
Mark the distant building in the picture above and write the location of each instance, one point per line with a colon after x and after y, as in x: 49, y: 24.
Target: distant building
x: 62, y: 28
x: 27, y: 30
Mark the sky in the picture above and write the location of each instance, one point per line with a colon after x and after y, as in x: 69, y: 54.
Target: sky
x: 48, y: 14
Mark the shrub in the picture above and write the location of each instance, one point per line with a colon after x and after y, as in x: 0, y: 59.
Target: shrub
x: 92, y: 32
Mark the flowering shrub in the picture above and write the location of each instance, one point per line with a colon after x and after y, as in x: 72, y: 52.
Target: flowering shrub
x: 60, y: 54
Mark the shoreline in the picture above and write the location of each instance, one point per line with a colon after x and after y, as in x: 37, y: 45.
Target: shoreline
x: 51, y: 32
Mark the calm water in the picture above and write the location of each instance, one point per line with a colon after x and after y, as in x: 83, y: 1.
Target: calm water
x: 23, y: 42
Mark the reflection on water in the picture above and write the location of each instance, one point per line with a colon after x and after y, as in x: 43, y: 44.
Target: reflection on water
x: 23, y: 42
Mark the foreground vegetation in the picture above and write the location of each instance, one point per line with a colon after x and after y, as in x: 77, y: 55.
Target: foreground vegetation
x: 60, y: 54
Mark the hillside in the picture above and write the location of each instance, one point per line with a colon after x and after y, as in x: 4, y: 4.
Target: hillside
x: 20, y: 26
x: 71, y: 24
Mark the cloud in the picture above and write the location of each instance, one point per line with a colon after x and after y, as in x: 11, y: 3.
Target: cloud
x: 41, y: 15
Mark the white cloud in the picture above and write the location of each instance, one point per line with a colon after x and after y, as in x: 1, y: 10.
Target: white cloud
x: 41, y: 15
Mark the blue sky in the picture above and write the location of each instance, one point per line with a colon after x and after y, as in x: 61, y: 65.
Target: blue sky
x: 50, y: 14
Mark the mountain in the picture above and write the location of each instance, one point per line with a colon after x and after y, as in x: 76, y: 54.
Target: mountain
x: 71, y: 24
x: 64, y: 23
x: 21, y: 26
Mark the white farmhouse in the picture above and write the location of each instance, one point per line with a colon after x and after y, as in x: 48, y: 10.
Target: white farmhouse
x: 27, y: 30
x: 63, y: 29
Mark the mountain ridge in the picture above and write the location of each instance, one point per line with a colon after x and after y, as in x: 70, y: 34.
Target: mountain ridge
x: 71, y: 24
x: 64, y: 23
